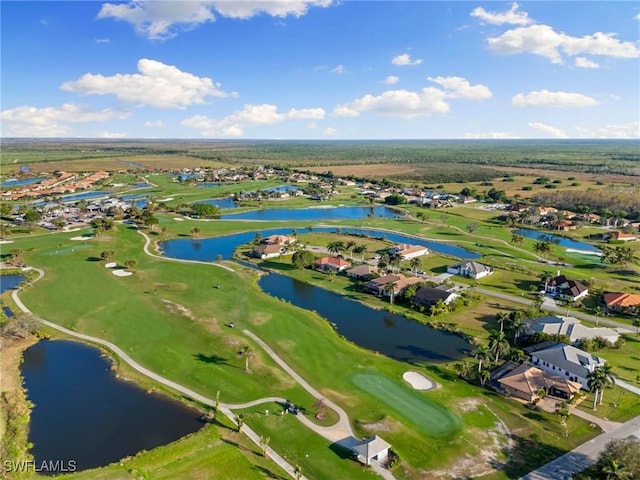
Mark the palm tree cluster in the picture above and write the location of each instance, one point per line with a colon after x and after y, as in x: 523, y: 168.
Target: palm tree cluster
x: 618, y: 256
x: 598, y: 379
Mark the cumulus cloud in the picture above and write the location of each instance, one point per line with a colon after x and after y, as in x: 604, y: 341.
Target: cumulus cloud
x: 543, y: 40
x: 391, y: 80
x: 154, y: 124
x: 582, y: 62
x: 545, y: 98
x: 161, y: 20
x: 113, y: 135
x: 405, y: 60
x: 549, y: 130
x: 512, y: 16
x: 157, y: 85
x: 250, y: 116
x: 625, y: 130
x: 339, y: 69
x: 52, y: 121
x: 330, y: 131
x: 458, y: 87
x: 490, y: 136
x: 397, y: 103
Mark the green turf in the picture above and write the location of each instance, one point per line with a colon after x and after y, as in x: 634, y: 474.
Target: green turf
x: 431, y: 418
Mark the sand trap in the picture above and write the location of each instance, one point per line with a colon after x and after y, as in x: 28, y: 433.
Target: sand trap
x: 122, y: 273
x: 110, y: 265
x: 71, y: 229
x: 79, y: 239
x: 6, y: 241
x: 584, y: 252
x: 418, y: 381
x: 179, y: 219
x: 168, y: 199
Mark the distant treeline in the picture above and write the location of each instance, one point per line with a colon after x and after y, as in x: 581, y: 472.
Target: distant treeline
x: 610, y: 201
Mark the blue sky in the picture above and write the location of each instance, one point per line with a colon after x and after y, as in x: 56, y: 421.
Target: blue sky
x: 320, y: 69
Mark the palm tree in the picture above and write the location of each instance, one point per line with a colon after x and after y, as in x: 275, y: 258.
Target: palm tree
x: 498, y: 344
x: 394, y: 262
x: 484, y: 375
x: 636, y: 323
x: 481, y: 353
x: 463, y: 369
x: 595, y: 382
x: 297, y: 471
x: 517, y: 327
x: 390, y: 288
x: 597, y: 311
x: 131, y: 265
x: 108, y: 255
x: 349, y: 247
x: 614, y: 470
x: 608, y: 377
x: 239, y: 421
x: 245, y: 352
x: 517, y: 239
x: 216, y: 405
x: 264, y: 445
x: 502, y: 318
x: 195, y: 232
x: 414, y: 264
x: 336, y: 247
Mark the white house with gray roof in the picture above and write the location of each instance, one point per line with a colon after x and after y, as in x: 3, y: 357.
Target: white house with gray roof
x: 572, y: 328
x: 470, y: 269
x: 567, y: 361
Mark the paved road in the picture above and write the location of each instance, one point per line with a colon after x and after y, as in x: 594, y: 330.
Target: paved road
x: 582, y: 457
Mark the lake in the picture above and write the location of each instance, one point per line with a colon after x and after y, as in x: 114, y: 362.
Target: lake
x: 222, y: 203
x: 84, y: 196
x: 9, y: 282
x: 377, y: 330
x: 313, y: 214
x: 556, y: 239
x: 208, y: 249
x: 82, y: 413
x: 19, y: 183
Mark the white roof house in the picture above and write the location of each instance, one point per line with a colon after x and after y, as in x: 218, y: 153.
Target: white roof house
x: 408, y: 252
x: 572, y: 328
x: 568, y: 361
x: 372, y: 448
x: 470, y: 269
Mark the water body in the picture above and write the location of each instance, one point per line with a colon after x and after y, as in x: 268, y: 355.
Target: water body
x: 209, y: 184
x: 281, y: 189
x: 377, y: 330
x: 20, y: 183
x: 314, y: 214
x: 222, y: 203
x: 208, y: 249
x: 557, y: 239
x: 9, y: 282
x: 83, y: 413
x: 84, y: 196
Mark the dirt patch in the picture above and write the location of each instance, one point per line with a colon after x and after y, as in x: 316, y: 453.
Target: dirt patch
x: 468, y: 404
x: 10, y: 356
x: 259, y: 318
x: 286, y: 345
x: 339, y: 397
x: 177, y: 309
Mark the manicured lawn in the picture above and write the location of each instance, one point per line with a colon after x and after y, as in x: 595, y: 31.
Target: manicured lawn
x: 432, y: 419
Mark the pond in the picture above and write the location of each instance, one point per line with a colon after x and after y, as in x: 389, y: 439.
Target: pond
x: 82, y: 413
x: 19, y: 183
x: 9, y: 282
x: 377, y: 330
x: 314, y: 214
x: 281, y: 189
x: 556, y: 239
x: 84, y: 196
x: 222, y: 203
x: 208, y: 249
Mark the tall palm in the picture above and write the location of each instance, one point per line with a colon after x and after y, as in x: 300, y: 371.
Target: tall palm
x: 498, y: 344
x: 394, y: 262
x: 195, y: 232
x: 481, y: 353
x: 414, y: 264
x: 502, y: 318
x: 614, y: 470
x: 484, y: 375
x: 349, y: 247
x: 390, y: 288
x: 245, y: 352
x: 608, y: 377
x: 595, y: 382
x: 517, y: 327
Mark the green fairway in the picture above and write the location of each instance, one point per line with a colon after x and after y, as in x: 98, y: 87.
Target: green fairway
x: 432, y: 419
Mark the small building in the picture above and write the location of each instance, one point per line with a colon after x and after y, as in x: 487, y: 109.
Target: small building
x: 525, y: 382
x: 362, y: 272
x: 407, y: 252
x: 566, y: 288
x: 372, y: 449
x: 470, y: 269
x: 331, y: 264
x: 567, y: 361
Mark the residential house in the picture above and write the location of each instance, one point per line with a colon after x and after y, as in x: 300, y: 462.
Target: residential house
x: 383, y: 285
x: 525, y: 382
x: 427, y: 296
x: 407, y: 252
x: 279, y: 240
x: 625, y: 237
x: 372, y: 449
x: 567, y: 361
x: 566, y: 288
x: 572, y: 328
x: 470, y: 269
x: 362, y: 272
x: 623, y: 302
x: 331, y: 264
x: 267, y: 251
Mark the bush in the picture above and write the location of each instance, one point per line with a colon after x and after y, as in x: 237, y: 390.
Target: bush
x: 550, y: 185
x: 527, y: 188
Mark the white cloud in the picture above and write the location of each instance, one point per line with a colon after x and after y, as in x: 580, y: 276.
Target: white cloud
x: 397, y: 103
x: 330, y: 132
x: 250, y: 116
x: 113, y: 135
x: 154, y: 124
x: 511, y: 16
x: 102, y: 40
x: 545, y: 98
x: 458, y: 87
x: 582, y: 62
x: 490, y: 136
x: 391, y: 80
x: 157, y: 85
x: 625, y: 130
x: 339, y: 69
x: 52, y: 121
x: 549, y: 130
x: 275, y: 8
x: 543, y: 40
x: 405, y: 60
x: 161, y: 20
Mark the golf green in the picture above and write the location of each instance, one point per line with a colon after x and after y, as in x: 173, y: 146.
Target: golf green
x: 431, y: 418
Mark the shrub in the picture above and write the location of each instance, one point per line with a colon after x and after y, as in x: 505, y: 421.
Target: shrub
x: 527, y: 188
